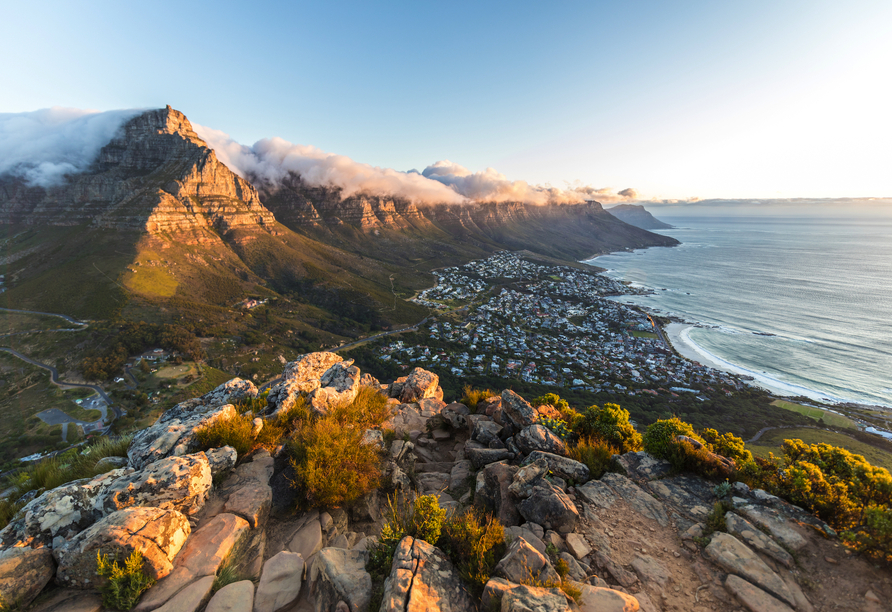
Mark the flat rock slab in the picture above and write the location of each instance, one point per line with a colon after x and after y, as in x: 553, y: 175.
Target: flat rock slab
x: 70, y: 600
x: 202, y: 555
x: 564, y: 467
x: 524, y: 598
x: 676, y: 494
x: 251, y: 502
x: 433, y: 482
x: 308, y: 541
x: 734, y: 557
x: 235, y: 597
x: 644, y: 466
x: 651, y: 571
x: 752, y: 597
x: 577, y: 545
x: 599, y: 599
x: 280, y: 582
x: 338, y: 575
x: 779, y: 527
x: 757, y: 540
x: 612, y: 487
x: 192, y: 598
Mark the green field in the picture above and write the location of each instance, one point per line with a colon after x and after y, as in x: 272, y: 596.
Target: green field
x: 644, y: 334
x: 11, y: 322
x: 830, y: 418
x: 771, y: 441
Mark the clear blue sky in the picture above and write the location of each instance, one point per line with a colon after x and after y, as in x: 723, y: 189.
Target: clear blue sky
x: 682, y: 99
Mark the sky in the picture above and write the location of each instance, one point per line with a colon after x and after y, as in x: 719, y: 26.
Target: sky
x: 685, y: 100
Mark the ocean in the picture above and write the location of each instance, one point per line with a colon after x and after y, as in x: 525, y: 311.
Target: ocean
x: 801, y: 303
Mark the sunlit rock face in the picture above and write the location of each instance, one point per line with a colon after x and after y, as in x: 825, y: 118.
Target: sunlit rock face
x: 156, y: 175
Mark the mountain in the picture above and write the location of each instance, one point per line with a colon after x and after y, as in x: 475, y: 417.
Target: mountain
x: 637, y: 215
x: 158, y: 229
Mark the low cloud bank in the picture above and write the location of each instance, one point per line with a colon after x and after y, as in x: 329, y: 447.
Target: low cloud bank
x: 271, y: 159
x: 43, y: 146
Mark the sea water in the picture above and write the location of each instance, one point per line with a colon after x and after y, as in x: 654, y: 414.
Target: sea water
x: 803, y: 304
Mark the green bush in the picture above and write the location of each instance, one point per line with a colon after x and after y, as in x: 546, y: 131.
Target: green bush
x: 332, y: 467
x: 475, y: 542
x: 727, y: 445
x: 595, y: 453
x: 471, y: 397
x: 237, y: 432
x: 124, y: 584
x: 659, y: 439
x: 611, y: 424
x: 685, y: 457
x: 551, y: 399
x: 557, y: 426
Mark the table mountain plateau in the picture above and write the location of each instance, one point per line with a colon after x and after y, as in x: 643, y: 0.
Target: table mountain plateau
x: 158, y: 219
x: 637, y: 215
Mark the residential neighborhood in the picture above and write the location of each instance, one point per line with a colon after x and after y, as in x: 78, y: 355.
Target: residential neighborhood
x: 554, y: 325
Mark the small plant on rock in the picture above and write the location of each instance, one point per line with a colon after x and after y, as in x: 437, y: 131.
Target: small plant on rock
x: 557, y: 426
x: 474, y: 542
x: 722, y: 490
x: 124, y: 583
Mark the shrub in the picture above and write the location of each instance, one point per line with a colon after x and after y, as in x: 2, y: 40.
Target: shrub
x: 659, y: 439
x: 722, y: 490
x: 557, y: 426
x: 53, y: 472
x: 368, y: 409
x: 611, y: 424
x: 727, y: 445
x: 551, y: 399
x: 684, y: 457
x: 472, y: 397
x: 125, y: 583
x: 715, y: 520
x: 475, y: 542
x: 237, y: 432
x: 332, y: 466
x: 595, y: 453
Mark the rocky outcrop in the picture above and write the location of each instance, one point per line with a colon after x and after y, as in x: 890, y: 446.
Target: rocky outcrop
x: 338, y: 575
x: 24, y: 572
x: 157, y: 534
x: 418, y: 385
x: 338, y: 386
x: 301, y: 377
x: 174, y: 431
x: 156, y: 175
x: 179, y: 483
x: 517, y: 410
x: 422, y: 578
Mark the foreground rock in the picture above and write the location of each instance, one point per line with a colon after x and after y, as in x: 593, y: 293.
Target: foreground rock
x: 422, y: 578
x: 300, y: 377
x: 517, y: 410
x: 174, y: 431
x: 178, y: 483
x: 730, y: 554
x: 234, y: 597
x: 338, y: 575
x: 418, y: 385
x: 337, y: 387
x: 202, y: 555
x: 522, y: 563
x: 280, y: 582
x: 23, y: 574
x: 157, y: 534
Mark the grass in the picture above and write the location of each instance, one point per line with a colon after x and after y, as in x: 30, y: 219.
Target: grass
x: 771, y: 441
x: 53, y: 472
x: 18, y: 322
x: 176, y: 371
x: 88, y: 415
x: 644, y: 334
x: 830, y: 418
x: 473, y: 396
x: 151, y: 282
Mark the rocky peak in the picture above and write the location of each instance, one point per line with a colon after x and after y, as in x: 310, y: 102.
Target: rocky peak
x: 156, y: 175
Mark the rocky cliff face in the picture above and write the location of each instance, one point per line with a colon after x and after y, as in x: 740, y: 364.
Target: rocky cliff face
x: 637, y: 215
x: 157, y: 175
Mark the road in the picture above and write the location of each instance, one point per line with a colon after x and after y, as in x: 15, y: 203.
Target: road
x: 659, y: 331
x: 54, y: 375
x: 49, y: 314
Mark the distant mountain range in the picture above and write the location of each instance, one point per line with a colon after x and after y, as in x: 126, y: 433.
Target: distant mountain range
x: 637, y: 215
x: 159, y: 223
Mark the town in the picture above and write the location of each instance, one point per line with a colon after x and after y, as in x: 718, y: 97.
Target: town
x: 549, y: 324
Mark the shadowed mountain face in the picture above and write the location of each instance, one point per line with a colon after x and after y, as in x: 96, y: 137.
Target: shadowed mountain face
x: 158, y: 222
x: 637, y: 215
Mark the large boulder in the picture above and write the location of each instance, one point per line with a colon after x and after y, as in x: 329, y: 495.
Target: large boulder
x: 234, y: 597
x: 202, y: 555
x: 338, y: 575
x: 522, y: 563
x: 157, y: 534
x: 23, y: 574
x: 494, y: 495
x: 550, y: 507
x: 338, y: 386
x: 482, y: 457
x: 179, y: 483
x: 527, y: 599
x: 643, y: 466
x: 527, y: 478
x: 61, y: 512
x: 301, y: 377
x: 517, y: 410
x: 734, y: 557
x: 418, y: 385
x: 561, y: 466
x: 539, y: 438
x: 249, y: 493
x: 280, y: 582
x: 174, y: 431
x: 601, y: 599
x: 422, y: 578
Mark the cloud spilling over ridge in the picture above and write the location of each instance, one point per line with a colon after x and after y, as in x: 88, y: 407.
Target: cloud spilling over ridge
x: 271, y: 159
x: 43, y: 146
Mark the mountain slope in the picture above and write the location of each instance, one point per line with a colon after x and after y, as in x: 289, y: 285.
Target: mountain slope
x: 637, y: 215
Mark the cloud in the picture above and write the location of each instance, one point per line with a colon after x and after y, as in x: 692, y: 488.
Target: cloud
x: 628, y: 193
x: 44, y: 145
x: 271, y: 159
